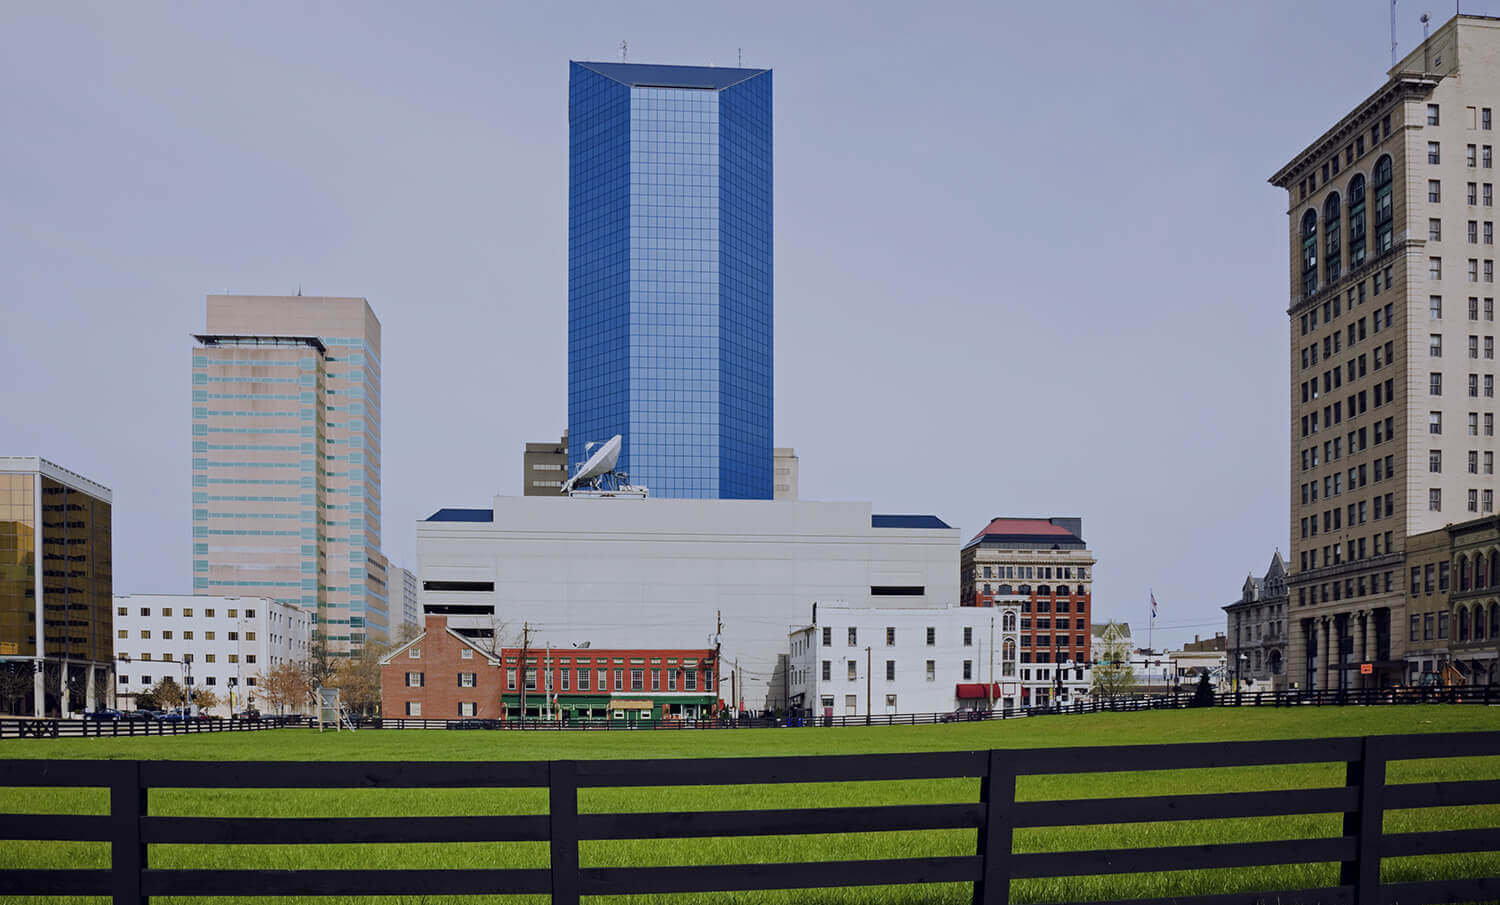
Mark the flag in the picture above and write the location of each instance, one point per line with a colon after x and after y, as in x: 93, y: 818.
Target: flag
x: 1153, y: 604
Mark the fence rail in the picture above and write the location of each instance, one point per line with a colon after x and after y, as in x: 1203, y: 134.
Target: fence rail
x: 25, y: 727
x: 1363, y: 798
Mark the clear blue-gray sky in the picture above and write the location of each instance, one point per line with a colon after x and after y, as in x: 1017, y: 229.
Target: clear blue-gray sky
x: 1027, y: 262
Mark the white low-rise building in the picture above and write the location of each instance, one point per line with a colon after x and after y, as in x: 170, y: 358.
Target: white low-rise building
x: 876, y: 660
x: 217, y: 644
x: 662, y: 573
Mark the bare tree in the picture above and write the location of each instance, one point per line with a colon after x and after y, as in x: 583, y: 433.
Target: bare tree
x: 283, y: 685
x: 493, y: 634
x: 1112, y: 673
x: 17, y: 678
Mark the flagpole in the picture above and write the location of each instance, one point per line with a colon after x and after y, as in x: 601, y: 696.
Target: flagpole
x: 1151, y: 623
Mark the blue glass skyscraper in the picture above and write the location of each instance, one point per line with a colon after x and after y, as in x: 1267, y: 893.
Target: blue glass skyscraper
x: 669, y: 274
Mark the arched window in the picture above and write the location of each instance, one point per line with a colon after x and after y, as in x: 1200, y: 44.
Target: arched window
x: 1024, y: 589
x: 1479, y: 622
x: 1495, y: 620
x: 1384, y: 214
x: 1003, y: 589
x: 1494, y: 567
x: 1356, y: 221
x: 1008, y: 622
x: 1043, y: 590
x: 1062, y: 590
x: 1009, y: 651
x: 1463, y: 573
x: 1463, y: 624
x: 1332, y: 252
x: 1309, y: 252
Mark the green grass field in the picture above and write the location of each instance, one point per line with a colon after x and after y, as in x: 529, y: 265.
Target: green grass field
x: 1099, y: 729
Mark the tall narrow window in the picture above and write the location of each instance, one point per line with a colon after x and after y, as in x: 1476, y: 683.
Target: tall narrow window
x: 1383, y: 211
x: 1309, y: 253
x: 1357, y: 221
x: 1331, y: 246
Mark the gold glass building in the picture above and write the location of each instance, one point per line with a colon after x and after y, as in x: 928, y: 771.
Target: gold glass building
x: 56, y: 589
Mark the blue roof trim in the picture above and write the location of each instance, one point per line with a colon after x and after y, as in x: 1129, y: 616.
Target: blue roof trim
x: 661, y: 76
x: 907, y: 521
x: 462, y: 515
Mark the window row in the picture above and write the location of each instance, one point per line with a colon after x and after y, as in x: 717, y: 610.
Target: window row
x: 1348, y: 588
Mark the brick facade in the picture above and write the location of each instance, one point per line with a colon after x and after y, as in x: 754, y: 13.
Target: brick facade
x: 444, y: 661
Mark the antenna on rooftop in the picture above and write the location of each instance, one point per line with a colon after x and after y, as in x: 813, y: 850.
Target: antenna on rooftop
x: 739, y: 57
x: 1393, y: 33
x: 625, y: 48
x: 1426, y: 53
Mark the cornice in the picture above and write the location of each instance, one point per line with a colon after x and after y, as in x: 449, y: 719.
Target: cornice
x: 1399, y: 87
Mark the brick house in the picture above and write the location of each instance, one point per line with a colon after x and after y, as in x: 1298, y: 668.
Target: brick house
x: 442, y: 674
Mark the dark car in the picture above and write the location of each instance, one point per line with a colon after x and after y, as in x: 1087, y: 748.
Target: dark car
x: 962, y: 715
x: 103, y: 713
x: 473, y: 724
x: 251, y: 714
x: 136, y: 715
x: 176, y: 716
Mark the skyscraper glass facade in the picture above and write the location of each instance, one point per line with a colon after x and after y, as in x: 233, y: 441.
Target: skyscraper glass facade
x: 669, y: 288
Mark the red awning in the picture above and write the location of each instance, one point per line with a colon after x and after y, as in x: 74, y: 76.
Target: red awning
x: 975, y: 691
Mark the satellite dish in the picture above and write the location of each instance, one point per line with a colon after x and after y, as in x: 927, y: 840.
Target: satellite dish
x: 601, y: 462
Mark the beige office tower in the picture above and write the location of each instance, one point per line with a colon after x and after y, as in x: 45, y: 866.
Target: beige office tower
x: 286, y: 460
x: 1391, y: 237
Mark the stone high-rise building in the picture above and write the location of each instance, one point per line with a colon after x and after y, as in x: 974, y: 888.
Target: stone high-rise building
x: 286, y: 460
x: 1391, y: 216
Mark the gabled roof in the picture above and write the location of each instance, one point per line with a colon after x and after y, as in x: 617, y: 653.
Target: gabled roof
x: 462, y: 515
x: 907, y: 521
x: 467, y: 642
x: 653, y: 75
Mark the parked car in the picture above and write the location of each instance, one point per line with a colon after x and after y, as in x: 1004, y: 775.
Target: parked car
x: 176, y: 716
x: 251, y: 714
x: 136, y: 715
x: 962, y: 715
x: 103, y: 713
x: 473, y: 724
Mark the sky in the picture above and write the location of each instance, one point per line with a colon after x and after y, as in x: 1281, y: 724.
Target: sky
x: 1027, y: 260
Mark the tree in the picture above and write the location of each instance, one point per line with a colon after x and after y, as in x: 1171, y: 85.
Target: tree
x: 357, y: 678
x: 17, y: 679
x: 321, y: 662
x: 1203, y: 695
x: 205, y: 699
x: 1112, y: 673
x: 495, y: 636
x: 167, y: 693
x: 283, y: 685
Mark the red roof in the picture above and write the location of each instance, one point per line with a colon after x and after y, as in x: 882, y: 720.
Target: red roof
x: 1038, y: 527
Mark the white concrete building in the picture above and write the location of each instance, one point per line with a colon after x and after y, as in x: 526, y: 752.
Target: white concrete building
x: 858, y: 660
x: 217, y: 644
x: 660, y: 573
x: 411, y: 610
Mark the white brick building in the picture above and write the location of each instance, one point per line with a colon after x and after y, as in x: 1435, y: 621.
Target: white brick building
x: 908, y: 659
x: 217, y: 644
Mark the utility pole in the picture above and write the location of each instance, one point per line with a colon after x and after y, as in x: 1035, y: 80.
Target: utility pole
x: 525, y: 644
x: 718, y: 668
x: 734, y: 688
x: 867, y: 685
x: 989, y: 688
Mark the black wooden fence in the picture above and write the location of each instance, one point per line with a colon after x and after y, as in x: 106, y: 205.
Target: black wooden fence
x: 29, y: 727
x: 1362, y: 800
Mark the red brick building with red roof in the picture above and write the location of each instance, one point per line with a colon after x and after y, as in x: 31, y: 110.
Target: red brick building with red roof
x: 1044, y: 566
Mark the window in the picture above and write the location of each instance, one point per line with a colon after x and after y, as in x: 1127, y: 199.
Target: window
x: 1357, y: 223
x: 619, y: 680
x: 1435, y: 152
x: 467, y: 679
x: 1434, y: 422
x: 414, y: 679
x: 1473, y: 232
x: 1435, y: 461
x: 413, y: 708
x: 467, y: 708
x: 1489, y: 194
x: 968, y: 636
x: 853, y: 637
x: 931, y: 670
x: 1434, y: 268
x: 931, y: 636
x: 1434, y: 191
x: 637, y: 680
x: 1435, y: 500
x: 1334, y: 253
x: 1435, y: 307
x: 853, y: 670
x: 1309, y: 253
x: 1432, y: 114
x: 1434, y: 229
x: 827, y: 636
x: 1471, y: 155
x: 1435, y: 345
x: 1473, y: 501
x: 466, y: 654
x: 968, y: 669
x: 890, y: 636
x: 890, y: 670
x: 827, y: 670
x: 414, y: 653
x: 1435, y: 384
x: 1484, y: 117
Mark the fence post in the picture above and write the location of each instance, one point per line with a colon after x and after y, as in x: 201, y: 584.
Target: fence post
x: 562, y: 791
x: 997, y: 792
x: 127, y: 854
x: 1365, y: 822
